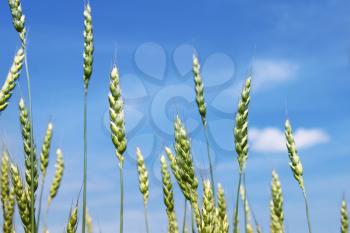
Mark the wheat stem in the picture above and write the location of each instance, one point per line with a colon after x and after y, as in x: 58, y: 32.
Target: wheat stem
x: 235, y: 218
x: 85, y: 162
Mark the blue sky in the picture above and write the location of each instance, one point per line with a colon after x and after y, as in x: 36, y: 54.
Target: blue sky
x: 300, y: 53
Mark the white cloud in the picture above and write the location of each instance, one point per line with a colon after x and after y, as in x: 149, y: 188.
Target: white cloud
x: 269, y: 71
x: 273, y: 140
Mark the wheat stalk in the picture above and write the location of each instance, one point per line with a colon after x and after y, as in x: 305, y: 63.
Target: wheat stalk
x: 22, y: 198
x: 222, y: 211
x: 58, y: 176
x: 247, y: 213
x: 10, y: 82
x: 276, y: 205
x: 168, y: 197
x: 87, y: 66
x: 143, y: 182
x: 199, y: 89
x: 117, y: 126
x: 18, y: 19
x: 26, y: 130
x: 296, y: 166
x: 241, y: 141
x: 344, y: 220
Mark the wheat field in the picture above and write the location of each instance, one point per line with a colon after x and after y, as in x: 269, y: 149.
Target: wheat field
x: 189, y: 197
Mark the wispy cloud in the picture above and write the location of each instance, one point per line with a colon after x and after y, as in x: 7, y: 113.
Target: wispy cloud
x: 272, y: 139
x: 270, y: 71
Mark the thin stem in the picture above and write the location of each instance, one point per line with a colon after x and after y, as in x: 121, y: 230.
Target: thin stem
x: 85, y: 162
x: 307, y: 211
x: 32, y: 214
x: 40, y: 202
x: 235, y: 219
x: 184, y: 218
x: 209, y: 159
x: 121, y: 198
x: 245, y: 204
x: 146, y: 218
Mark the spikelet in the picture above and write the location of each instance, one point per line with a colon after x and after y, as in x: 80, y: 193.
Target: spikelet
x: 18, y: 19
x: 22, y: 198
x: 241, y: 126
x: 344, y: 218
x: 58, y: 175
x: 10, y: 82
x: 45, y: 150
x: 88, y: 46
x: 28, y: 145
x: 116, y: 115
x: 143, y: 176
x: 199, y: 89
x: 89, y: 225
x: 208, y: 209
x: 276, y: 205
x: 222, y: 211
x: 295, y: 163
x: 168, y: 197
x: 72, y: 221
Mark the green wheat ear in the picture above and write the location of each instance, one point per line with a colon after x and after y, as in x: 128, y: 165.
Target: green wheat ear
x: 88, y: 46
x: 295, y: 164
x: 168, y: 197
x: 208, y: 209
x: 12, y: 77
x: 222, y: 211
x: 72, y: 221
x: 26, y: 130
x: 45, y: 150
x: 199, y: 89
x: 276, y: 205
x: 143, y: 176
x: 18, y: 19
x: 58, y: 176
x: 241, y: 126
x: 344, y: 217
x: 116, y: 115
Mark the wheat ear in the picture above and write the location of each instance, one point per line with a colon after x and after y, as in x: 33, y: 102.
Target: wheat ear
x: 28, y: 146
x: 45, y: 150
x: 276, y: 205
x: 88, y: 46
x: 296, y: 166
x: 222, y: 211
x: 22, y: 198
x: 168, y: 197
x: 117, y: 126
x: 199, y: 89
x: 72, y: 221
x: 7, y: 194
x: 10, y: 82
x: 344, y: 220
x: 18, y: 19
x: 208, y: 210
x: 58, y: 176
x: 143, y: 182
